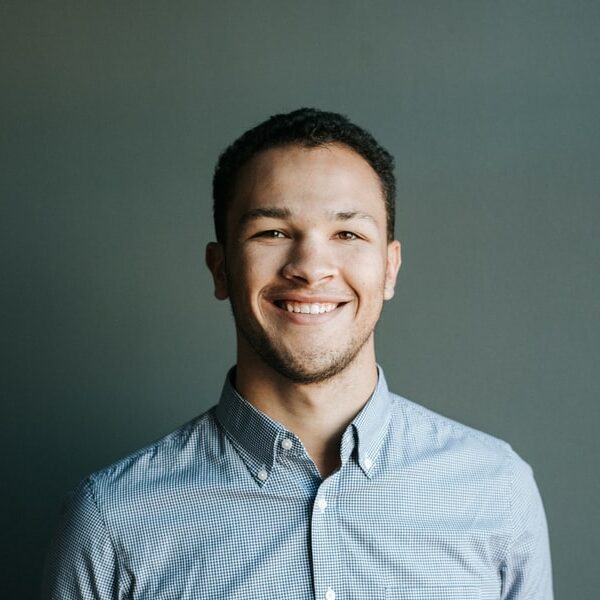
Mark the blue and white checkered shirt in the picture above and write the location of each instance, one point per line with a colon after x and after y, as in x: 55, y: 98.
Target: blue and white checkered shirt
x: 231, y: 506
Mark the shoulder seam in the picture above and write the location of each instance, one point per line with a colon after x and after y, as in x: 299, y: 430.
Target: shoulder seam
x: 511, y: 539
x: 90, y: 490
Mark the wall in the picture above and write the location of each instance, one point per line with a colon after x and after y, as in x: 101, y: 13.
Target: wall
x: 113, y: 115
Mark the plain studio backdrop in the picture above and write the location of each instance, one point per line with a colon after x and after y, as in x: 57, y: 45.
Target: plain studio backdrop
x: 112, y: 118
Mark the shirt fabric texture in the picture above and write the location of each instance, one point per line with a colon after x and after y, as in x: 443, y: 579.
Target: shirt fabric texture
x: 231, y: 506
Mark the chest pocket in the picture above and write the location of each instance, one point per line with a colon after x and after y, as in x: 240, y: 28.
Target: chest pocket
x: 432, y: 593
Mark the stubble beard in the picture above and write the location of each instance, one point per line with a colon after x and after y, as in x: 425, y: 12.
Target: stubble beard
x: 309, y: 367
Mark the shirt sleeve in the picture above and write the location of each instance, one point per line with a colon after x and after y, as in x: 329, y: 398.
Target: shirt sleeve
x: 527, y: 572
x: 82, y: 562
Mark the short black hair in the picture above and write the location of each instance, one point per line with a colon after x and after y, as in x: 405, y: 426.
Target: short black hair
x: 309, y: 128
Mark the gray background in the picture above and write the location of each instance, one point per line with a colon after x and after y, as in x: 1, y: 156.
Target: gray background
x: 113, y: 115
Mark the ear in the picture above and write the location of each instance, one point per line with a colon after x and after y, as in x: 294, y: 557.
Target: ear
x: 215, y: 261
x: 394, y: 259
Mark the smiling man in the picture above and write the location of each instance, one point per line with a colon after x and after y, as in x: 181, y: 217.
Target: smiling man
x: 309, y: 478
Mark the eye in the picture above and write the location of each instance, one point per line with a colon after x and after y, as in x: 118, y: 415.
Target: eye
x: 270, y: 234
x: 347, y: 235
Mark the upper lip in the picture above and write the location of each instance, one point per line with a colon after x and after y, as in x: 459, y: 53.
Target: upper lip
x: 302, y: 298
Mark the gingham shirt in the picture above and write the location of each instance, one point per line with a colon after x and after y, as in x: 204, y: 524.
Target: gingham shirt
x: 230, y: 505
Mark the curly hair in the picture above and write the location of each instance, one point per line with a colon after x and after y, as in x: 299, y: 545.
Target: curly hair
x: 306, y: 127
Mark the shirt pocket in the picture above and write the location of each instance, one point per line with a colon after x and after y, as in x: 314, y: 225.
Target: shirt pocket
x: 432, y: 593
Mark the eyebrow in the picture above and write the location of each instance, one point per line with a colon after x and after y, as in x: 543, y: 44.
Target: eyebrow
x: 352, y: 214
x: 265, y: 213
x: 285, y: 213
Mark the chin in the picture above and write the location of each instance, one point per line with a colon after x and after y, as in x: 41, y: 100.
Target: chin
x: 304, y: 369
x: 305, y: 376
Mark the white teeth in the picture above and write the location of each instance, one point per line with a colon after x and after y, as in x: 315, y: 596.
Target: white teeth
x: 307, y: 309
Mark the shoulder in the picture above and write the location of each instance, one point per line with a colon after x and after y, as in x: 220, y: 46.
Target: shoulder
x: 423, y: 434
x: 149, y: 471
x: 461, y: 467
x: 108, y: 509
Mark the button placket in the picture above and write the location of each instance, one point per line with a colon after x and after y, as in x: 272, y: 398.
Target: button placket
x: 321, y: 504
x: 324, y: 540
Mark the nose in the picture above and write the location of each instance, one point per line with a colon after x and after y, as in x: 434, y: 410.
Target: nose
x: 310, y: 262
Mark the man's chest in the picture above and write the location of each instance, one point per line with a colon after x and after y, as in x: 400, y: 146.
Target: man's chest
x: 344, y: 539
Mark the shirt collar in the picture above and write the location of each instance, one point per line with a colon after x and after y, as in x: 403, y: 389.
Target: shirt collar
x: 257, y: 437
x: 253, y: 432
x: 371, y: 425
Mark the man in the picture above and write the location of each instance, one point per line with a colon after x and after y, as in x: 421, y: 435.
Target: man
x: 309, y: 479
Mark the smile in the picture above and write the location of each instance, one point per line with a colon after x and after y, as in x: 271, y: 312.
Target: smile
x: 306, y: 308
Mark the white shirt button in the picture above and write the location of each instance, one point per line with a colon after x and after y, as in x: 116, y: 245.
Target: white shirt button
x: 262, y: 475
x: 330, y: 594
x: 322, y: 504
x: 286, y: 444
x: 368, y: 463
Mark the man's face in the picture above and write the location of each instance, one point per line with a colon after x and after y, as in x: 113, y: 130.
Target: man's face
x: 307, y: 264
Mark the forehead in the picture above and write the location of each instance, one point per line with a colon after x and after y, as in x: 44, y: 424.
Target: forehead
x: 331, y: 176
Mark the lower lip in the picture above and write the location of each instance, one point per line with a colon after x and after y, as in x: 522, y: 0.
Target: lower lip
x: 307, y: 318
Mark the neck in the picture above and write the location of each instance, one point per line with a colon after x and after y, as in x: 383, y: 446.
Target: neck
x: 317, y: 413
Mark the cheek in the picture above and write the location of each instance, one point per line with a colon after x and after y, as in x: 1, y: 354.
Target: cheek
x: 266, y: 260
x: 366, y: 269
x: 253, y: 271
